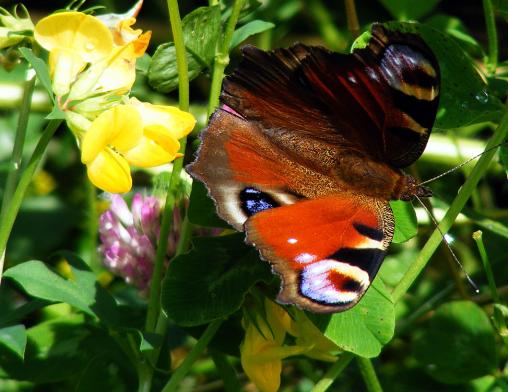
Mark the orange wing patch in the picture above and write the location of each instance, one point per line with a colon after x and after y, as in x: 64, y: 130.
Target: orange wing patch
x: 326, y: 250
x: 321, y: 225
x: 249, y: 160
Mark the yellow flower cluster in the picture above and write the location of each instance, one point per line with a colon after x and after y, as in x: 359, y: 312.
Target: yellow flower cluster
x: 263, y: 347
x: 93, y: 67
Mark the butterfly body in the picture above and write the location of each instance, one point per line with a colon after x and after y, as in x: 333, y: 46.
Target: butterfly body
x: 307, y: 149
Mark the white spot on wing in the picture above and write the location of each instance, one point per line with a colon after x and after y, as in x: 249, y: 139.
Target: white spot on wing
x: 305, y: 258
x: 292, y: 240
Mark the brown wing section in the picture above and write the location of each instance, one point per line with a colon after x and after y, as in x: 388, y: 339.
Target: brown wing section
x: 379, y: 102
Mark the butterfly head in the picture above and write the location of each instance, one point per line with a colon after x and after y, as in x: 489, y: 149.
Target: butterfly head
x: 413, y: 189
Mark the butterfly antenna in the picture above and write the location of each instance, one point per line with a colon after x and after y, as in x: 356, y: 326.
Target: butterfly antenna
x: 462, y: 164
x: 469, y: 279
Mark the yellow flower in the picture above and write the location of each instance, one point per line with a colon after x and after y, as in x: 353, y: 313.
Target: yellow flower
x: 123, y: 33
x: 75, y: 40
x: 92, y: 65
x: 308, y: 335
x: 120, y: 24
x: 262, y: 350
x: 263, y: 347
x: 138, y: 134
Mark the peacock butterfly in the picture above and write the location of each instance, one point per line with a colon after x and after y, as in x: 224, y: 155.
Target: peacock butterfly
x: 306, y: 151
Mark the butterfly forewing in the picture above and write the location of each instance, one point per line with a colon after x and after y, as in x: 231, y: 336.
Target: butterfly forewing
x: 382, y: 99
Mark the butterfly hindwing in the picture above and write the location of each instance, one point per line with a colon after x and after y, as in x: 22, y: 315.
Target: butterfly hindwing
x: 327, y: 251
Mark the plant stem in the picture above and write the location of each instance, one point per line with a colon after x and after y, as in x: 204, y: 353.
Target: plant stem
x: 19, y: 142
x: 490, y: 21
x: 162, y: 321
x: 477, y: 236
x: 145, y: 373
x: 160, y: 329
x: 222, y: 57
x: 92, y: 227
x: 498, y: 316
x: 332, y: 373
x: 11, y: 213
x: 369, y: 375
x: 352, y: 18
x: 183, y: 93
x: 184, y: 368
x: 181, y: 56
x: 17, y: 151
x: 185, y: 236
x: 167, y: 220
x: 458, y: 204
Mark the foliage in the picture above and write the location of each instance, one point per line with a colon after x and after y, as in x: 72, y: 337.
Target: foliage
x: 69, y: 323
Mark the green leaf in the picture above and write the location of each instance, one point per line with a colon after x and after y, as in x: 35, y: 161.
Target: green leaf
x: 211, y: 281
x: 409, y: 9
x: 456, y: 29
x: 202, y: 208
x: 458, y: 343
x: 14, y: 338
x: 406, y: 225
x: 364, y: 329
x: 66, y: 348
x: 41, y: 69
x: 52, y: 351
x: 56, y: 114
x: 80, y: 290
x: 465, y: 98
x: 251, y: 28
x: 143, y: 63
x: 163, y: 71
x: 39, y: 281
x: 201, y: 29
